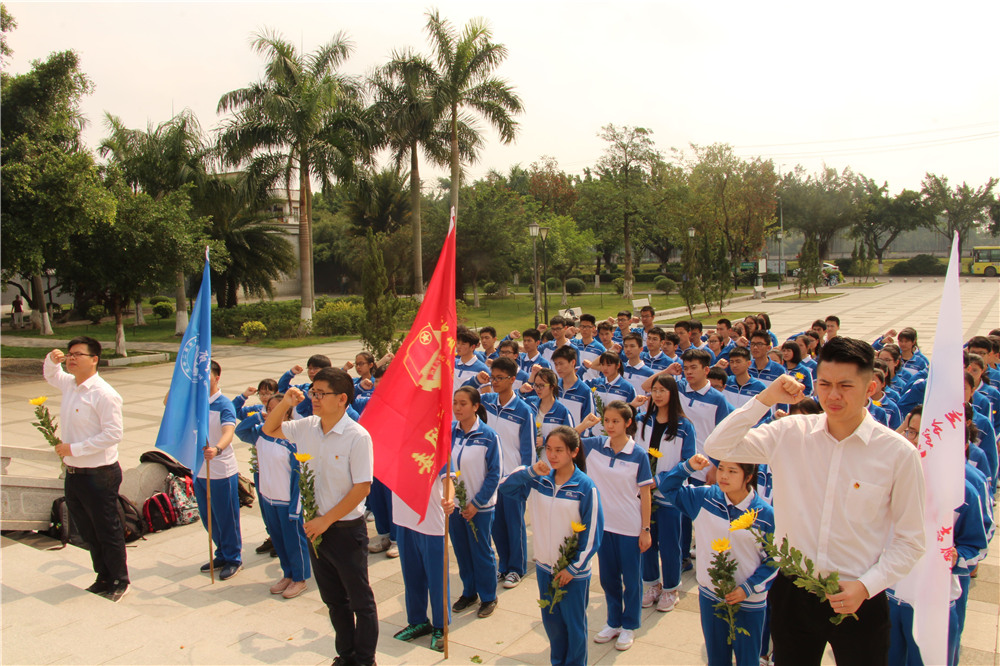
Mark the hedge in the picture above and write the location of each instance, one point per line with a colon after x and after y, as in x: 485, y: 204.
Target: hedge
x: 922, y: 264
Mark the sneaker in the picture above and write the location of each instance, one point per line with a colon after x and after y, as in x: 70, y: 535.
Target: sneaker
x: 393, y: 550
x: 463, y: 602
x: 607, y: 634
x: 274, y: 553
x: 437, y: 640
x: 205, y: 568
x: 687, y: 564
x: 412, y: 631
x: 511, y: 580
x: 500, y: 576
x: 99, y: 587
x: 281, y: 586
x: 486, y: 608
x: 265, y: 547
x: 379, y: 544
x: 116, y: 591
x: 667, y: 601
x: 230, y: 569
x: 295, y: 589
x: 625, y: 639
x: 652, y: 593
x: 369, y: 517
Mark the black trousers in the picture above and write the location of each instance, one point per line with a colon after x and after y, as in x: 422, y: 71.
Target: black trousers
x: 92, y: 500
x: 801, y: 628
x: 341, y: 571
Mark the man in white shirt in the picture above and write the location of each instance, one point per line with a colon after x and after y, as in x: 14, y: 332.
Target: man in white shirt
x: 91, y: 429
x: 848, y: 493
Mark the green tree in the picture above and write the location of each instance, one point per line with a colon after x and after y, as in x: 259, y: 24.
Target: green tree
x: 598, y: 209
x: 670, y: 212
x: 823, y: 206
x: 302, y: 118
x: 465, y: 64
x: 7, y: 23
x: 961, y: 210
x: 568, y: 248
x: 690, y: 289
x: 885, y: 218
x: 810, y: 271
x: 378, y: 328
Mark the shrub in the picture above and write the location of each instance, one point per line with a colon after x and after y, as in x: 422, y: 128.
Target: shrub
x: 163, y: 309
x: 339, y: 317
x: 491, y: 288
x: 95, y: 313
x: 253, y: 330
x: 665, y: 284
x: 280, y: 317
x: 619, y: 284
x: 922, y: 264
x: 847, y: 266
x: 407, y: 312
x: 553, y: 284
x: 575, y: 286
x: 153, y: 300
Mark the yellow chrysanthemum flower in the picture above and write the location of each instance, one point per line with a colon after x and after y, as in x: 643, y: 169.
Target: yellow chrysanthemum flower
x: 720, y: 545
x: 40, y: 400
x: 458, y: 472
x: 877, y: 403
x: 655, y: 453
x: 799, y: 376
x: 577, y: 527
x: 593, y: 389
x: 303, y: 457
x: 745, y: 521
x: 249, y: 414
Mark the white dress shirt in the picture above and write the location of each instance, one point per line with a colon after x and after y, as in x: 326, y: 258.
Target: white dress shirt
x: 90, y: 418
x: 854, y: 506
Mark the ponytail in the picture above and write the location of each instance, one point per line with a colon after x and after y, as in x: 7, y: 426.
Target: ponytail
x: 475, y: 400
x: 627, y: 412
x: 571, y: 438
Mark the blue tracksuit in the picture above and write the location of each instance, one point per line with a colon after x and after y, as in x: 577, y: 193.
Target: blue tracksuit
x: 554, y: 510
x: 421, y: 552
x: 618, y: 389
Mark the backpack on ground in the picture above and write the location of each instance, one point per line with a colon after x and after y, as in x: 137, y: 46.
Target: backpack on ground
x: 172, y: 465
x: 246, y: 490
x: 159, y: 513
x: 181, y: 492
x: 62, y: 528
x: 132, y: 523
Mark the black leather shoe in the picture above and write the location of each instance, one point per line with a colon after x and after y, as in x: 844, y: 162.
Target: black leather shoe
x: 463, y: 602
x: 486, y: 608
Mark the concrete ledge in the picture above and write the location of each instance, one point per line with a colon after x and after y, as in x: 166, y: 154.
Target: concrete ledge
x: 132, y: 360
x: 26, y: 501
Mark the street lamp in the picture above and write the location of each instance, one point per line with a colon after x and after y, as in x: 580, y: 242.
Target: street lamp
x: 544, y: 233
x: 690, y: 232
x: 781, y: 249
x: 533, y: 230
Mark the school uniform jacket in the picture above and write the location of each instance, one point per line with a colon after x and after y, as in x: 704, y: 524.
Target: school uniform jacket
x: 477, y: 457
x: 681, y: 447
x: 514, y: 424
x: 619, y: 476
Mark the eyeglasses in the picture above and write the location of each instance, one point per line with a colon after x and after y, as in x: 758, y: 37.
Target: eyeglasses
x: 76, y: 355
x: 319, y: 395
x: 758, y: 344
x: 910, y: 433
x: 494, y: 379
x: 539, y: 385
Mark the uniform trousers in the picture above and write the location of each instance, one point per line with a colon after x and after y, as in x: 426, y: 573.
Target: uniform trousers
x: 92, y: 500
x: 225, y: 516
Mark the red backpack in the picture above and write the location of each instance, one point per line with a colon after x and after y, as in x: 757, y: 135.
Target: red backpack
x: 159, y: 513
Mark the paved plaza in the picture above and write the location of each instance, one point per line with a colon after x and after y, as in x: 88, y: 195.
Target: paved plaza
x: 174, y: 615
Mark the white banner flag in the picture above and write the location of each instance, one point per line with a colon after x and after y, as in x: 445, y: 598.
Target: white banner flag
x: 942, y: 450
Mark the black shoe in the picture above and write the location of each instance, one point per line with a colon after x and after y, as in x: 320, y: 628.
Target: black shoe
x: 99, y: 586
x: 274, y: 553
x: 687, y: 564
x: 409, y: 632
x: 265, y: 547
x: 463, y: 602
x: 230, y: 570
x: 116, y: 591
x: 486, y: 608
x: 205, y: 568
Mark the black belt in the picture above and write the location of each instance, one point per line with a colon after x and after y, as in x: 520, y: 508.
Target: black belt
x: 88, y: 470
x: 344, y: 524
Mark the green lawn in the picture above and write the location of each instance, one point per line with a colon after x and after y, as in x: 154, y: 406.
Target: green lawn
x: 6, y: 351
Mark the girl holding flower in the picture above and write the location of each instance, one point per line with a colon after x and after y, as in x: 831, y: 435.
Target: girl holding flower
x: 664, y: 430
x: 569, y: 524
x: 610, y: 385
x: 724, y: 511
x: 791, y: 358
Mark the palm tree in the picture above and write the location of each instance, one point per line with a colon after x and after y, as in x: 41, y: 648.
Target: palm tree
x: 404, y: 109
x: 303, y: 117
x: 465, y: 63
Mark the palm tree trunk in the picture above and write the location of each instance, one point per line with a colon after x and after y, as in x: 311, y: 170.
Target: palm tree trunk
x: 231, y: 292
x: 39, y: 313
x: 180, y: 325
x: 418, y: 253
x: 305, y: 242
x: 455, y: 166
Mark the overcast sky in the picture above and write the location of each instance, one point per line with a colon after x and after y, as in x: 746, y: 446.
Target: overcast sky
x: 892, y: 90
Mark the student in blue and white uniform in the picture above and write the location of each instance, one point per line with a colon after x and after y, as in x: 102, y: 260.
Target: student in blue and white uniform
x: 713, y: 508
x: 467, y: 365
x: 624, y: 326
x: 564, y: 501
x: 986, y: 435
x: 882, y: 399
x: 791, y: 355
x: 265, y: 389
x: 610, y: 386
x: 488, y: 339
x: 573, y: 393
x: 664, y: 429
x: 703, y: 405
x: 509, y: 349
x: 315, y: 363
x: 620, y: 470
x: 531, y: 357
x: 277, y: 479
x: 740, y: 387
x: 588, y: 347
x: 558, y: 327
x: 763, y: 368
x: 807, y: 359
x: 987, y: 398
x: 549, y: 412
x: 421, y: 552
x: 764, y: 324
x: 669, y: 344
x: 635, y: 371
x: 225, y: 483
x: 478, y: 462
x: 654, y: 356
x: 514, y: 423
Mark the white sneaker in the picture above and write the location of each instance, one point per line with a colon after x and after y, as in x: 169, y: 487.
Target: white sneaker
x: 511, y: 580
x: 379, y: 543
x: 369, y: 517
x: 392, y: 550
x: 607, y: 634
x: 652, y: 593
x: 625, y: 639
x: 667, y: 601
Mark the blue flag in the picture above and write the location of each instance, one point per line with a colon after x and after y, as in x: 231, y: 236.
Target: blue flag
x: 184, y: 428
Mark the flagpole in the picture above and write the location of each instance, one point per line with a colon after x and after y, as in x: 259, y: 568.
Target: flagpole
x: 208, y: 501
x: 445, y: 588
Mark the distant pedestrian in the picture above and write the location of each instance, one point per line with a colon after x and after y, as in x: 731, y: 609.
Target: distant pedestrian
x: 17, y: 309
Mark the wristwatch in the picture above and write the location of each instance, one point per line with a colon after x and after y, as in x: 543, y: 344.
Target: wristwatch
x: 645, y: 529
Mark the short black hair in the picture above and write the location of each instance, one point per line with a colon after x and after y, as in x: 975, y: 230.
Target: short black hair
x: 761, y: 333
x: 589, y: 318
x: 848, y: 350
x: 980, y: 342
x: 558, y: 320
x: 338, y: 380
x: 318, y: 361
x: 634, y: 337
x: 696, y: 325
x: 465, y: 335
x: 488, y: 329
x: 834, y: 318
x: 625, y: 313
x: 605, y: 326
x: 724, y: 322
x: 683, y: 323
x: 512, y: 344
x: 647, y: 308
x: 566, y: 352
x: 267, y: 385
x: 671, y: 336
x: 739, y: 352
x: 504, y: 364
x: 819, y: 323
x: 699, y: 355
x: 532, y: 333
x: 718, y: 373
x: 216, y: 368
x: 908, y: 333
x: 93, y: 346
x: 657, y: 331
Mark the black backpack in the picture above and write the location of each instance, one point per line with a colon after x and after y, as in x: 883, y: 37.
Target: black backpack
x: 167, y: 461
x: 246, y: 491
x: 61, y: 527
x: 132, y: 523
x: 159, y: 513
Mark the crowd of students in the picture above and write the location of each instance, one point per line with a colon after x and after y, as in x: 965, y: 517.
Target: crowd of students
x: 599, y: 428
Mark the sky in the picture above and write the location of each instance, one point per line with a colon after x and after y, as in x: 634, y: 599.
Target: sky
x: 891, y: 89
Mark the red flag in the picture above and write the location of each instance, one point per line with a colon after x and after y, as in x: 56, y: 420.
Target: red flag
x: 409, y: 415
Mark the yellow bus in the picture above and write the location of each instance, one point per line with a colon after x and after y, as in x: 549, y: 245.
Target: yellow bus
x: 985, y: 260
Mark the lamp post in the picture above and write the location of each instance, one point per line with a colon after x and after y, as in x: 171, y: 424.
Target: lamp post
x: 689, y: 263
x: 781, y: 244
x: 544, y: 233
x: 533, y: 230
